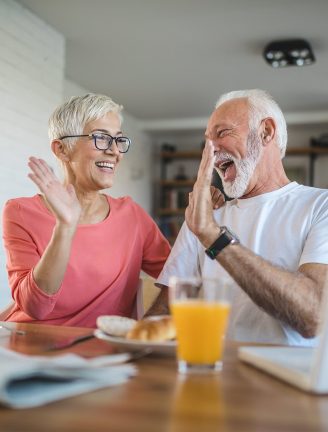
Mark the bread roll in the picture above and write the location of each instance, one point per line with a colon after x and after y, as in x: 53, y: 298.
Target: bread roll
x: 115, y: 325
x: 155, y: 329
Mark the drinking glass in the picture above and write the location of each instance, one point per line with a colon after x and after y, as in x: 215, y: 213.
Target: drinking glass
x: 200, y: 310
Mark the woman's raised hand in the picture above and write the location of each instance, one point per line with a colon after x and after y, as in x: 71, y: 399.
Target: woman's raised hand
x: 61, y: 199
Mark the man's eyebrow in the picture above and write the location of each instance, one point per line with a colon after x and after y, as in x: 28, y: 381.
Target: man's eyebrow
x: 106, y: 131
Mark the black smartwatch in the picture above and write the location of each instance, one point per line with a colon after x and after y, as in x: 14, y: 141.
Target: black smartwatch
x: 225, y: 238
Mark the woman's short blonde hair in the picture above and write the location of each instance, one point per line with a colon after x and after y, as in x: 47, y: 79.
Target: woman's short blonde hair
x: 71, y: 117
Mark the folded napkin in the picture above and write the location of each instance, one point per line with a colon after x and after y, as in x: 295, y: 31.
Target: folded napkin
x: 30, y: 381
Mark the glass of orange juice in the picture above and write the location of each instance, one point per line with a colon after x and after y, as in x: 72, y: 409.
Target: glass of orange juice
x: 200, y: 310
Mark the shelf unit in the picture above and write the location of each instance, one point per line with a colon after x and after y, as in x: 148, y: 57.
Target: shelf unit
x: 170, y: 215
x: 313, y: 153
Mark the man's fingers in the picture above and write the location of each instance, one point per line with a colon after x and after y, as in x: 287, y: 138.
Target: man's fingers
x: 206, y: 165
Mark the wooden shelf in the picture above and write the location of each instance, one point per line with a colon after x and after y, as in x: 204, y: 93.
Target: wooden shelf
x: 298, y: 151
x: 177, y: 183
x: 171, y: 212
x: 193, y: 154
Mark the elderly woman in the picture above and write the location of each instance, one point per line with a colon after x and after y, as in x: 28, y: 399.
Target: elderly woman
x: 74, y: 252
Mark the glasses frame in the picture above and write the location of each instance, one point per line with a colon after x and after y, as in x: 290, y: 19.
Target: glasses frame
x: 110, y: 140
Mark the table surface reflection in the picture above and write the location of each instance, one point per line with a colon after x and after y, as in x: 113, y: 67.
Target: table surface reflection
x: 239, y: 398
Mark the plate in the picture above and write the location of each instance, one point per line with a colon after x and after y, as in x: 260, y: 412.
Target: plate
x: 163, y: 348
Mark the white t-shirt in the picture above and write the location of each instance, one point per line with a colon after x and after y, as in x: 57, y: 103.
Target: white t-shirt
x: 288, y: 227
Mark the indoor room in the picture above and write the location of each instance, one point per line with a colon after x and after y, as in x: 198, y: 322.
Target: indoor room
x: 164, y: 64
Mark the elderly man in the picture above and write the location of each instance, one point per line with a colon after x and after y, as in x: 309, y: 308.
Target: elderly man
x: 272, y: 238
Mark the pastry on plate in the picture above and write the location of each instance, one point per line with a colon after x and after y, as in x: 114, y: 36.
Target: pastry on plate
x: 115, y: 325
x: 154, y: 329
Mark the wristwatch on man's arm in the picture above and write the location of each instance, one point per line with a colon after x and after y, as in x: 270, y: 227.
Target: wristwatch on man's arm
x: 225, y: 239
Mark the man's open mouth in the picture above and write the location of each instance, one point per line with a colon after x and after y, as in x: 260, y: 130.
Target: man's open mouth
x: 224, y: 165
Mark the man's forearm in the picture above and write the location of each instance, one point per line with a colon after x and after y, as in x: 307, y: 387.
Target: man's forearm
x: 293, y: 298
x: 161, y: 304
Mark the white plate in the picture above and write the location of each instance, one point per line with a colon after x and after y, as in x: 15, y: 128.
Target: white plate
x: 166, y: 348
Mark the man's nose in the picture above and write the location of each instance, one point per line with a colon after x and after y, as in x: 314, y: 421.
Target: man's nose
x: 215, y: 144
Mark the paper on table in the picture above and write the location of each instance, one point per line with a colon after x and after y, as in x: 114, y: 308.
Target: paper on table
x: 30, y: 381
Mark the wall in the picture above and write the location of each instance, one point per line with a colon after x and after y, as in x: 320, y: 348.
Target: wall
x: 31, y: 79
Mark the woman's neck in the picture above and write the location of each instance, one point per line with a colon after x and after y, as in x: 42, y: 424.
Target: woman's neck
x: 94, y: 205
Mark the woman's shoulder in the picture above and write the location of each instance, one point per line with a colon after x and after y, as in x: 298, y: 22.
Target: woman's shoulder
x: 22, y: 202
x: 24, y: 206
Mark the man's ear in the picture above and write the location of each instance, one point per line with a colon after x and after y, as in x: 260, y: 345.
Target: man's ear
x: 268, y: 130
x: 60, y: 150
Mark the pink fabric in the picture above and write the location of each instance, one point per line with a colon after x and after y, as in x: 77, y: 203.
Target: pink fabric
x: 103, y: 270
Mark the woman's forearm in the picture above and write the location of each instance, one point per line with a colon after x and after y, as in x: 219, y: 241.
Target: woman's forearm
x: 49, y: 273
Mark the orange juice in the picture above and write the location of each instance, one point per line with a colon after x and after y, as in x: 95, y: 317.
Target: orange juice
x: 200, y: 327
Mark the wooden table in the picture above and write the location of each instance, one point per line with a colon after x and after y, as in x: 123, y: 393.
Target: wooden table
x: 239, y: 398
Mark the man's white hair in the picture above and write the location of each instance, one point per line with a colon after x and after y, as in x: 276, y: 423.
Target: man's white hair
x: 261, y: 105
x: 71, y: 117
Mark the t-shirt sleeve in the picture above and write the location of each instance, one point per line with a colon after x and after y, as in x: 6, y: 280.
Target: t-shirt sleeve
x: 22, y: 256
x: 184, y: 258
x: 316, y: 245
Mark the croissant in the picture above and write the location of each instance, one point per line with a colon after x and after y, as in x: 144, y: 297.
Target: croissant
x: 154, y: 329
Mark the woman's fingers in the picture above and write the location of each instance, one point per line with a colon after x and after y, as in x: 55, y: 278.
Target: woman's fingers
x: 36, y: 180
x: 40, y: 167
x: 41, y: 172
x: 217, y: 197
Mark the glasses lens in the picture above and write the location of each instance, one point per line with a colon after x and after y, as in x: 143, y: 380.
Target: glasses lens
x: 123, y: 144
x: 101, y: 141
x: 104, y: 142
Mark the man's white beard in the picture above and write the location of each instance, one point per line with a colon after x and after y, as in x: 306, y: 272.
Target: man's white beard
x: 244, y: 167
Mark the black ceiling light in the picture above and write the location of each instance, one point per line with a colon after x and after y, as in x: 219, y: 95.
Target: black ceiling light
x: 290, y: 52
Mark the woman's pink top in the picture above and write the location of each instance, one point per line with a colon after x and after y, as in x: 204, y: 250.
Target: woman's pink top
x: 104, y: 266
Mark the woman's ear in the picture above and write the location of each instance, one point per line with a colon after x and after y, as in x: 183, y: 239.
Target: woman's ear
x: 60, y: 150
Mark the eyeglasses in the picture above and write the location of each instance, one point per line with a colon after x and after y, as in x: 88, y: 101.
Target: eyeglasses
x: 103, y: 141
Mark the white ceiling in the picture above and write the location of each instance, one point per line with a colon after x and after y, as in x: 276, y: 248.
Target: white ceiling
x: 166, y: 59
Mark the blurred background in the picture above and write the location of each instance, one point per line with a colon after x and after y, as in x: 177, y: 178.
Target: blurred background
x: 166, y: 62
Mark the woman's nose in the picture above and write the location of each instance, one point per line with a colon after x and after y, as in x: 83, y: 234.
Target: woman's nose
x: 113, y: 148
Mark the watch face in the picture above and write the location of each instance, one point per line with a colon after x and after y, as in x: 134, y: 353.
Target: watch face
x: 211, y: 253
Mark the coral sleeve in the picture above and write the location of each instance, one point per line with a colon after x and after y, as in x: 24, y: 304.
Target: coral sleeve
x: 22, y: 256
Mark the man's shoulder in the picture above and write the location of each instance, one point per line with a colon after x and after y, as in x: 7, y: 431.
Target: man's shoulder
x: 311, y: 193
x: 306, y: 203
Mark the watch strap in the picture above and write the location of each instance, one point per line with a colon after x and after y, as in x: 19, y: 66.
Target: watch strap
x: 225, y: 238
